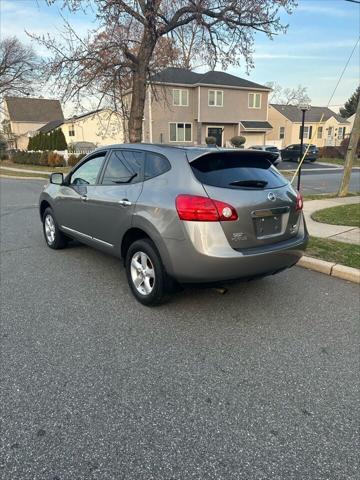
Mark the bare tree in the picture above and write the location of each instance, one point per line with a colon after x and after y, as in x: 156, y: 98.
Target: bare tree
x: 288, y: 96
x: 132, y: 31
x: 17, y: 67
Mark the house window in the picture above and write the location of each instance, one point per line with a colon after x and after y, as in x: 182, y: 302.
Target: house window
x: 307, y: 131
x: 282, y: 133
x: 215, y: 98
x: 180, y: 132
x: 341, y: 133
x: 254, y: 100
x: 72, y: 131
x: 180, y: 97
x: 330, y: 131
x: 320, y: 132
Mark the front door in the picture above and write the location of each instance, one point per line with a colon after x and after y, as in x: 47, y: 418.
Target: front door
x: 216, y: 132
x: 71, y: 206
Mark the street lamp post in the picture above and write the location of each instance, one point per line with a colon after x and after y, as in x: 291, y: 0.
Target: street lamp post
x: 304, y: 108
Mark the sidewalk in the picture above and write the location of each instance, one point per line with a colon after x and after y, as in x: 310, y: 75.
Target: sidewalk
x: 341, y: 233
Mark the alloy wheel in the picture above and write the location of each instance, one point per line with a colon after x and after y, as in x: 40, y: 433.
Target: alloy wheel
x: 49, y: 225
x: 142, y: 273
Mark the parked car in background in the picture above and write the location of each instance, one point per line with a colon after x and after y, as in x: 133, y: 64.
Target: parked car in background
x: 269, y: 148
x: 186, y: 215
x: 292, y: 153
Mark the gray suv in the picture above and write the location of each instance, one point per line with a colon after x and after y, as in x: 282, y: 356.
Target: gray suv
x: 178, y: 214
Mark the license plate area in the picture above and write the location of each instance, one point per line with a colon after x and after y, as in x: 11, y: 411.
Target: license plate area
x: 270, y: 223
x: 268, y: 226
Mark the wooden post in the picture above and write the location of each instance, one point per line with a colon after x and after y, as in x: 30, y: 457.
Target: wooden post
x: 350, y: 154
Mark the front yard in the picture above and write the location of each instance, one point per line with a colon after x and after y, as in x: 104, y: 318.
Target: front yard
x: 342, y: 215
x: 338, y: 161
x: 333, y: 251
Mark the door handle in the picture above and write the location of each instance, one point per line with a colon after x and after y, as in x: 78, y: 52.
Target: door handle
x: 84, y: 198
x: 125, y: 202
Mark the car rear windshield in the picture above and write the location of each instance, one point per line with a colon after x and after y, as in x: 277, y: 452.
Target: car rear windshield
x: 237, y: 171
x: 272, y: 149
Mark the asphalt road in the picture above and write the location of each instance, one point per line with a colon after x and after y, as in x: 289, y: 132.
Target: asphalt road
x: 317, y: 178
x: 258, y: 384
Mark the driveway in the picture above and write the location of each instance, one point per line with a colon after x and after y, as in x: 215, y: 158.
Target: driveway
x: 259, y: 383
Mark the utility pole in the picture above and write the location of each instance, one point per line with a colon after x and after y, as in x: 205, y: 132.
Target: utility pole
x: 350, y: 154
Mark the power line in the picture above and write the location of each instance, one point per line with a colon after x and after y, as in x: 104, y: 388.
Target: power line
x: 344, y: 69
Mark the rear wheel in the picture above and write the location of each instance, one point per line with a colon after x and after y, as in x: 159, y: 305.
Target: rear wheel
x: 53, y: 236
x: 145, y: 272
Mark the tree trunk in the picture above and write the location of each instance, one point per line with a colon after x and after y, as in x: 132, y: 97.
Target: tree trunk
x: 350, y: 154
x: 139, y: 87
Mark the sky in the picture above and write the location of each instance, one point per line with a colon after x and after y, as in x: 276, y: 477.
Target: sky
x: 313, y: 52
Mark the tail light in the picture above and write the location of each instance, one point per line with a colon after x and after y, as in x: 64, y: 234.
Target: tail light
x: 204, y: 209
x: 299, y: 202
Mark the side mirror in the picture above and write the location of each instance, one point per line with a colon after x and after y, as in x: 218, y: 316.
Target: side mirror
x: 57, y: 178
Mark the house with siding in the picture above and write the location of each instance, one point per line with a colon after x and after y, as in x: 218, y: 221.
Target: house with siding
x: 322, y: 127
x: 85, y: 132
x: 185, y: 107
x: 23, y: 116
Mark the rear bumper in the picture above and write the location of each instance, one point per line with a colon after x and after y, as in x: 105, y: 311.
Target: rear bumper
x: 207, y: 256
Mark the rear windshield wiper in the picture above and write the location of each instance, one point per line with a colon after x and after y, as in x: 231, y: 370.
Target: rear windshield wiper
x: 128, y: 180
x: 250, y: 183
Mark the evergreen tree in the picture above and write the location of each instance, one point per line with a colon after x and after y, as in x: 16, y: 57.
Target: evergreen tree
x: 52, y: 140
x: 351, y: 105
x: 30, y: 144
x: 62, y: 145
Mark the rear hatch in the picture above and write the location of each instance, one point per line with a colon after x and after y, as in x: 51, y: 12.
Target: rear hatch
x: 263, y: 199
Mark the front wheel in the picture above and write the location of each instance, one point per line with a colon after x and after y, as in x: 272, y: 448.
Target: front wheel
x: 54, y: 238
x: 145, y: 272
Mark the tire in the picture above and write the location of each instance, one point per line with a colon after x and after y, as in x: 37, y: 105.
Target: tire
x: 54, y: 238
x: 145, y: 272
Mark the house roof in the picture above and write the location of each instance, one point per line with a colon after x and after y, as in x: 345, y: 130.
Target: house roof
x: 36, y: 110
x: 83, y: 115
x: 294, y: 114
x: 187, y: 77
x: 48, y: 127
x: 255, y: 125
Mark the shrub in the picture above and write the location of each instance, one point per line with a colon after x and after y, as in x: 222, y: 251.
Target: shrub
x: 238, y: 141
x: 4, y: 156
x: 26, y: 158
x: 55, y: 160
x: 332, y: 152
x: 43, y: 161
x: 72, y: 160
x: 210, y: 140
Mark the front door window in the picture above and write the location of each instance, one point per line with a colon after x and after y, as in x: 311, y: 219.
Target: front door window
x: 216, y: 132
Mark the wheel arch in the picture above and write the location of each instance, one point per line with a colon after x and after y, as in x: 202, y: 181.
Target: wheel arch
x: 146, y: 230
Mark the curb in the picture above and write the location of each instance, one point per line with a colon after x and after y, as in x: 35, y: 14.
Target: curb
x: 330, y: 268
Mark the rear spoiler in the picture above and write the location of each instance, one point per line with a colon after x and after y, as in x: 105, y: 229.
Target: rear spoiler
x: 231, y: 153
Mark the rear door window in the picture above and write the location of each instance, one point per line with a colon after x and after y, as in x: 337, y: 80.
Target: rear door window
x: 237, y: 171
x: 117, y: 171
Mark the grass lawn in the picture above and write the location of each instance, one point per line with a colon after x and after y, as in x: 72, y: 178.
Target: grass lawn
x: 338, y: 161
x: 332, y: 251
x: 342, y: 215
x: 7, y: 163
x: 8, y: 173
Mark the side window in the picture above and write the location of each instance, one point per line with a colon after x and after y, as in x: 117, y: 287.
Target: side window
x: 117, y: 171
x: 155, y: 165
x: 88, y: 172
x: 135, y: 159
